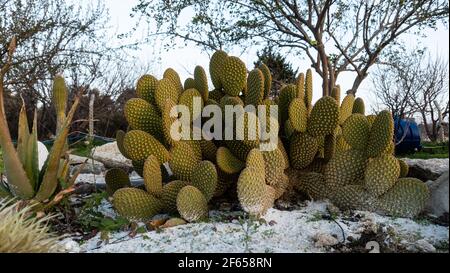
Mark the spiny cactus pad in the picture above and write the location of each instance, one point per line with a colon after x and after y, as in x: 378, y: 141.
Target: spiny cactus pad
x: 204, y: 178
x: 143, y: 116
x: 227, y: 162
x: 381, y: 174
x: 358, y: 106
x: 116, y: 179
x: 324, y: 117
x: 345, y: 168
x: 233, y: 76
x: 169, y: 195
x: 407, y: 198
x: 298, y: 115
x: 201, y: 82
x: 184, y: 160
x: 303, y: 148
x: 165, y: 90
x: 255, y: 85
x: 308, y: 89
x: 300, y: 83
x: 216, y: 64
x: 354, y: 197
x: 346, y: 108
x: 173, y: 76
x: 135, y: 204
x: 252, y: 191
x: 192, y: 204
x: 313, y: 184
x: 152, y: 176
x: 139, y: 145
x: 146, y: 87
x: 355, y: 131
x: 381, y: 134
x: 255, y: 159
x: 404, y: 168
x: 267, y: 79
x: 187, y: 99
x: 336, y: 93
x: 287, y: 94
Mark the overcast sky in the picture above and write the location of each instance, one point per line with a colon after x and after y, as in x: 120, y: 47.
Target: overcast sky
x: 183, y: 60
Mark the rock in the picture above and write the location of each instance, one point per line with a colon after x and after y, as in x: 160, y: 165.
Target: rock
x: 91, y: 166
x: 438, y: 203
x: 421, y: 245
x: 323, y: 239
x: 427, y: 169
x: 111, y: 157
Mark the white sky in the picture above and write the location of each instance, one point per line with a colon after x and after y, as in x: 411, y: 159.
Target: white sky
x: 188, y: 57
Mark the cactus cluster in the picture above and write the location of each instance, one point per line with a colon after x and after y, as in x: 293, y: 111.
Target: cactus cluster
x: 339, y: 153
x: 352, y: 162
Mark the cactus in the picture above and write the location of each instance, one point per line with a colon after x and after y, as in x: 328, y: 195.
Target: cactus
x: 204, y: 178
x: 233, y: 76
x: 381, y: 134
x: 404, y: 168
x: 406, y: 198
x: 355, y: 131
x: 135, y: 204
x: 189, y: 83
x: 358, y: 106
x: 140, y: 145
x: 255, y: 84
x: 267, y: 79
x: 252, y: 191
x: 308, y: 89
x: 381, y: 174
x: 227, y: 162
x: 116, y: 179
x: 215, y: 68
x: 143, y: 116
x: 301, y: 87
x: 323, y: 118
x: 338, y: 152
x: 201, y: 82
x: 184, y: 160
x: 153, y: 176
x: 336, y: 93
x: 173, y: 77
x: 192, y: 204
x: 146, y: 88
x: 346, y: 108
x: 169, y: 195
x: 298, y: 115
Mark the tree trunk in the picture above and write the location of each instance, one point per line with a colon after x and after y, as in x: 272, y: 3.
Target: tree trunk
x: 439, y: 129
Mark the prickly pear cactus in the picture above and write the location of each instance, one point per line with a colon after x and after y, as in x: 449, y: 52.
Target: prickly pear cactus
x: 337, y: 152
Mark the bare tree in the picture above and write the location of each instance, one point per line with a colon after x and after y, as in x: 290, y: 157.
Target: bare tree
x: 335, y: 35
x: 432, y: 92
x: 395, y: 84
x: 54, y: 37
x: 415, y: 84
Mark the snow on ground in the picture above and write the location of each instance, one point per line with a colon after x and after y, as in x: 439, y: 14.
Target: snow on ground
x: 302, y: 230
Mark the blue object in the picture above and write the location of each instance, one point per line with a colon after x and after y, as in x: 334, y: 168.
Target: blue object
x: 407, y: 133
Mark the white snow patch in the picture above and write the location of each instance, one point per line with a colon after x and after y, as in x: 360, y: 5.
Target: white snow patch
x: 282, y: 231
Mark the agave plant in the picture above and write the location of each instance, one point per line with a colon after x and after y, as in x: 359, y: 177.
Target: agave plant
x: 24, y: 179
